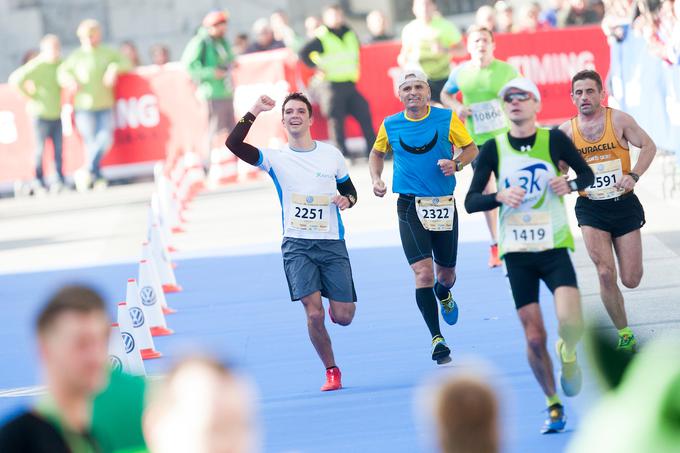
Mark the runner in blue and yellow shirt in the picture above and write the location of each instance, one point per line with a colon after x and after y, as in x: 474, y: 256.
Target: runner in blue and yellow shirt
x: 422, y: 139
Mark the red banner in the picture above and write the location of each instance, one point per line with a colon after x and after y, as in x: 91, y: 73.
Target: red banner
x: 157, y: 114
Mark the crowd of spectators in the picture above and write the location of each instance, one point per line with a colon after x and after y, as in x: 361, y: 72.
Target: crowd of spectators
x: 658, y: 22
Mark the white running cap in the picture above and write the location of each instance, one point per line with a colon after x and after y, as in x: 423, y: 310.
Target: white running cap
x: 523, y: 84
x: 411, y: 76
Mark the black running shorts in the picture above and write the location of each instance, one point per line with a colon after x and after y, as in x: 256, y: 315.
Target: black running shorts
x: 419, y: 243
x: 617, y: 216
x: 527, y: 269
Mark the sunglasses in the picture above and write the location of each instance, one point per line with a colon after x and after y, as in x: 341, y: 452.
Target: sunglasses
x: 521, y: 97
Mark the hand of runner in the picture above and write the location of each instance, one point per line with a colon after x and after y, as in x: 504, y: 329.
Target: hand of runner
x: 263, y: 104
x: 564, y: 168
x: 463, y: 112
x: 627, y: 183
x: 447, y: 166
x: 511, y: 197
x: 341, y: 202
x: 379, y: 188
x: 559, y: 185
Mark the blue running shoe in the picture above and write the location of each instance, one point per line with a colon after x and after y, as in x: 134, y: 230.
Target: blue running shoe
x: 440, y: 351
x: 449, y: 310
x: 556, y: 421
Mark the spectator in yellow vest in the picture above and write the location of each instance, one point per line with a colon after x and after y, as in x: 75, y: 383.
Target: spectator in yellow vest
x: 335, y: 53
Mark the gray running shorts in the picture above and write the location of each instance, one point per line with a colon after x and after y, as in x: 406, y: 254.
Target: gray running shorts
x: 313, y: 265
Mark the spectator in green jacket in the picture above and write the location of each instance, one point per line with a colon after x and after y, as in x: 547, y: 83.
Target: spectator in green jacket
x: 208, y: 57
x: 91, y: 72
x: 37, y: 80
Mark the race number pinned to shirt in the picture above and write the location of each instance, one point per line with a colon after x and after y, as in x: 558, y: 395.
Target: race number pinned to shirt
x: 528, y: 232
x: 310, y: 212
x: 607, y: 174
x: 436, y: 213
x: 487, y: 116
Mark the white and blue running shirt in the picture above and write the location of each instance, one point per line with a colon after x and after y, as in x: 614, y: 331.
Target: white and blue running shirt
x: 306, y: 181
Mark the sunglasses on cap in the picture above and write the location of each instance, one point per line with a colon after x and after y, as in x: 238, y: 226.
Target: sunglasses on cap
x: 519, y: 96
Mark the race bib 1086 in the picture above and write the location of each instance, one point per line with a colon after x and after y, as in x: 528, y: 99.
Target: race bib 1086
x: 487, y: 116
x: 436, y: 213
x: 528, y: 232
x: 310, y: 212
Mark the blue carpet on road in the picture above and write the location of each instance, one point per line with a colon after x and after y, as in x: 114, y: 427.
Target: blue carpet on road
x: 238, y: 308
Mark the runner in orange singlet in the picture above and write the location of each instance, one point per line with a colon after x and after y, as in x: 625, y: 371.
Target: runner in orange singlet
x: 608, y: 212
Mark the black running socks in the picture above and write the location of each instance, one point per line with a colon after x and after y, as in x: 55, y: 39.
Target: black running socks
x: 428, y: 307
x: 441, y: 291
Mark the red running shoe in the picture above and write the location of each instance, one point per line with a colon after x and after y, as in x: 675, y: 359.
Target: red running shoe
x: 494, y: 261
x: 333, y: 380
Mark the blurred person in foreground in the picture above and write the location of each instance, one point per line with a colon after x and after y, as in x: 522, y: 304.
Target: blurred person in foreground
x: 505, y: 17
x: 160, y: 54
x: 335, y: 53
x: 37, y: 81
x: 479, y: 80
x: 466, y: 414
x: 73, y: 335
x: 129, y: 50
x: 486, y: 17
x: 312, y: 24
x: 264, y: 37
x: 378, y: 27
x: 91, y: 73
x: 648, y: 384
x: 283, y: 32
x: 202, y: 407
x: 428, y: 43
x: 209, y: 59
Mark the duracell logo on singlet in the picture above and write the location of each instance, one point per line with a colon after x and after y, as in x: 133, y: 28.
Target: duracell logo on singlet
x: 596, y: 148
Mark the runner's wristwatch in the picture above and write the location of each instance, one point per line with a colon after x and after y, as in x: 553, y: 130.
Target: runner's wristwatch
x: 635, y: 176
x: 459, y: 165
x: 572, y: 185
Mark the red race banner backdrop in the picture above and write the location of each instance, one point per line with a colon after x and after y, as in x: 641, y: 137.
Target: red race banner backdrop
x: 156, y: 112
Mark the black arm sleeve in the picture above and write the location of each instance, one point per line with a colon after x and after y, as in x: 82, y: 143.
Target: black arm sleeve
x: 244, y: 151
x: 487, y: 164
x: 347, y: 189
x: 562, y: 148
x: 312, y: 46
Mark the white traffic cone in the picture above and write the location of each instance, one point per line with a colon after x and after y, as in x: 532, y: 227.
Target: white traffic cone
x: 154, y: 217
x: 149, y: 257
x: 161, y: 259
x: 134, y: 356
x: 140, y: 325
x: 223, y: 167
x: 152, y: 298
x: 117, y: 356
x: 169, y: 208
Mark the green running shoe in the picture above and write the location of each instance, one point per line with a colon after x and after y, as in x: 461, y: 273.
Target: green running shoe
x: 571, y: 377
x: 440, y: 351
x: 627, y: 343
